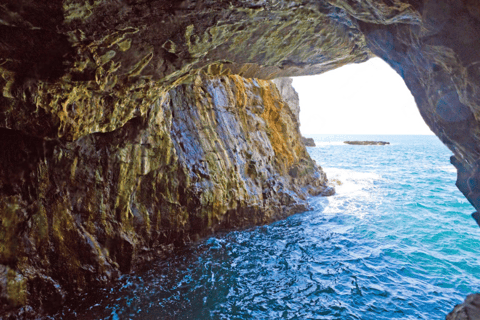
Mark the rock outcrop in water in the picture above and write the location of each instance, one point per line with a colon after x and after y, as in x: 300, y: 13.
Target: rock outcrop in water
x: 468, y: 310
x: 89, y: 88
x: 309, y: 142
x: 367, y: 143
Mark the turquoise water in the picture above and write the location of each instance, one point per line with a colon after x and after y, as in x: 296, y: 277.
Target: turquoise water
x: 395, y: 242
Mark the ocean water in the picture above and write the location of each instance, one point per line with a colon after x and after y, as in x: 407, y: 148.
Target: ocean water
x: 396, y: 242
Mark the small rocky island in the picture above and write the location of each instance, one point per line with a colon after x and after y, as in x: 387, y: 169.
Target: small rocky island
x: 367, y: 143
x: 308, y: 142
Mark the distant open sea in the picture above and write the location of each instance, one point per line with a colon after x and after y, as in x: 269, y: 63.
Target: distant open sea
x: 396, y: 242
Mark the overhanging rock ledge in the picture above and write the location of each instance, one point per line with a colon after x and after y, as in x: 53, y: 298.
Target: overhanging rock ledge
x: 103, y: 89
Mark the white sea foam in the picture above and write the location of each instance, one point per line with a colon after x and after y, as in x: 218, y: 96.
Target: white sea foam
x: 355, y: 191
x: 351, y: 180
x: 448, y: 168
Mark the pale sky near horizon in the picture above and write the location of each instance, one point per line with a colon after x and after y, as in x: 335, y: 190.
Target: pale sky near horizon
x: 366, y: 98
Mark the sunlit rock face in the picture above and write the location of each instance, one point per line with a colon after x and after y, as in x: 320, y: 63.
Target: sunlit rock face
x: 289, y: 95
x: 125, y: 125
x: 221, y: 152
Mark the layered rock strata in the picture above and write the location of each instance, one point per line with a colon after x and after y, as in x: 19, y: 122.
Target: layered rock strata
x: 367, y: 143
x: 75, y: 71
x: 218, y: 153
x: 289, y: 95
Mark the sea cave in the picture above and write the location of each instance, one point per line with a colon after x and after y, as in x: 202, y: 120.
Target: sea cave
x: 131, y: 128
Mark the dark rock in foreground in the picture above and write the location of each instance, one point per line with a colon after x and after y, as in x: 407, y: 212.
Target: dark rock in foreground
x: 308, y: 142
x: 367, y: 143
x: 468, y: 310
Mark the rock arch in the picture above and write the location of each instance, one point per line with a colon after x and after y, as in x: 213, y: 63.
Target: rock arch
x: 78, y: 74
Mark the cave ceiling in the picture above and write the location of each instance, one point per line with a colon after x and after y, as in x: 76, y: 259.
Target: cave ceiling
x: 75, y: 67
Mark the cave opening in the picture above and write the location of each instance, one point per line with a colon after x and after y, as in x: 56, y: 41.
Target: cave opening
x: 133, y: 128
x: 366, y: 98
x: 399, y: 200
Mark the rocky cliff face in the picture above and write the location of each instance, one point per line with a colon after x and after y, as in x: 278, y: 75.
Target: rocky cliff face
x: 84, y: 150
x: 218, y: 153
x: 468, y: 310
x: 289, y: 95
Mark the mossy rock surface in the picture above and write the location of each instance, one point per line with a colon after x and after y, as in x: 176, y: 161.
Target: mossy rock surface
x: 219, y: 153
x: 128, y: 126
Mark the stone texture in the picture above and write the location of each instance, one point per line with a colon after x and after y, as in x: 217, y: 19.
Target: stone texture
x: 468, y: 310
x: 289, y: 95
x: 219, y: 153
x: 93, y: 65
x: 80, y: 78
x: 308, y: 142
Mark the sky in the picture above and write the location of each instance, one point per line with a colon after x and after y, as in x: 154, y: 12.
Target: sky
x: 366, y: 98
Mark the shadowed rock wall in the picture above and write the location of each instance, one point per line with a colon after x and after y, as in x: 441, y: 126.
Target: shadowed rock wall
x: 80, y: 78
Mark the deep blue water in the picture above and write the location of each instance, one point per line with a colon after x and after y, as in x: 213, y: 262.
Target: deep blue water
x: 396, y: 242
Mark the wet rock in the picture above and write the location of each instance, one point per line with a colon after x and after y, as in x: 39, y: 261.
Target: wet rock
x: 219, y: 153
x: 468, y: 310
x: 367, y: 143
x: 93, y: 121
x: 309, y: 142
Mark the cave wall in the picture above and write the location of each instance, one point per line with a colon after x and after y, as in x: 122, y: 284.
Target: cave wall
x: 107, y: 61
x: 96, y: 113
x: 289, y: 95
x: 218, y: 153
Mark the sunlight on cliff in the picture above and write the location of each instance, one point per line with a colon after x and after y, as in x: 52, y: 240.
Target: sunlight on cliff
x: 367, y: 98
